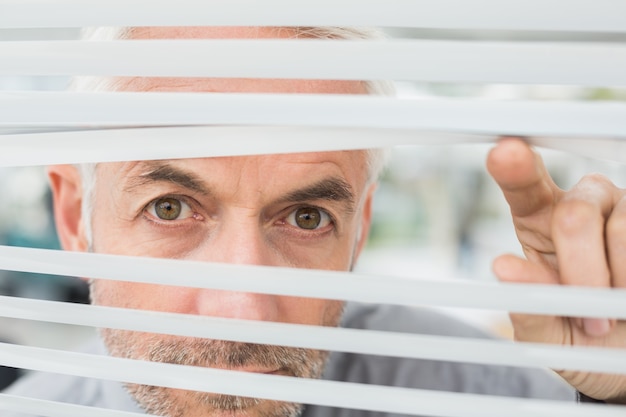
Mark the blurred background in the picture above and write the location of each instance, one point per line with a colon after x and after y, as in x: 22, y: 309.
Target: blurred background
x: 438, y: 215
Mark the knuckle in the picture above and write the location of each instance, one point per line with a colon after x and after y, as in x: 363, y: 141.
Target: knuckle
x: 572, y: 216
x: 595, y: 179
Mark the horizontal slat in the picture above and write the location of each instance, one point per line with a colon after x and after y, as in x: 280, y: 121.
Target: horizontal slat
x: 27, y: 110
x: 299, y: 390
x: 192, y: 142
x: 599, y: 148
x: 491, y: 352
x: 565, y: 15
x: 534, y: 299
x: 594, y: 64
x: 43, y: 408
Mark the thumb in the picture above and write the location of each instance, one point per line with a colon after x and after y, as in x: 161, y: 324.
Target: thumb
x: 513, y: 269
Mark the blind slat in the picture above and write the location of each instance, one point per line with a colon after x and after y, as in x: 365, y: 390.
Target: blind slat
x: 416, y: 346
x: 24, y: 111
x: 591, y: 64
x: 581, y: 15
x: 43, y: 408
x: 300, y: 390
x: 195, y: 142
x: 526, y: 298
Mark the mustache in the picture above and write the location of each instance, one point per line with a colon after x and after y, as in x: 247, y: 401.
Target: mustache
x: 226, y: 354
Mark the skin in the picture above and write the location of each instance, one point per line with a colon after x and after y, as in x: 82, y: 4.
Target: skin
x: 239, y: 212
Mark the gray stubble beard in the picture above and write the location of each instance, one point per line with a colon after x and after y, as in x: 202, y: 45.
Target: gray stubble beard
x: 162, y: 401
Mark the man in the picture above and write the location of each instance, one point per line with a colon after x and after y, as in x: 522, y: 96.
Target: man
x: 311, y: 210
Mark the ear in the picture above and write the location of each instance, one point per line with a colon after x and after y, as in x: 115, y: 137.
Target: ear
x: 366, y: 221
x: 67, y: 198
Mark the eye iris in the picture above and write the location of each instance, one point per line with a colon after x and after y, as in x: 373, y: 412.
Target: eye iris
x: 308, y: 218
x: 167, y: 208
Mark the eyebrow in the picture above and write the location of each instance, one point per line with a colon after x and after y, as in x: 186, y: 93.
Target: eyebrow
x: 331, y: 189
x: 163, y: 172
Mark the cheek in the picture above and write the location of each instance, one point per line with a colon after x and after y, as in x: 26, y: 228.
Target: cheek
x: 311, y: 311
x: 124, y: 238
x: 140, y: 296
x: 332, y: 252
x: 117, y: 229
x: 332, y: 313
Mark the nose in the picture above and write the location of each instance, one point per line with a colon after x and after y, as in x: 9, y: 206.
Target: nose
x: 238, y: 305
x: 241, y: 242
x: 241, y: 239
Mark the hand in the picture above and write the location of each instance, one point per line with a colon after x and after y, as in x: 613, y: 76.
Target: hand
x: 575, y: 237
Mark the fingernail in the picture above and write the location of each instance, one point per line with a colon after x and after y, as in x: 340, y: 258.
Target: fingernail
x: 596, y: 327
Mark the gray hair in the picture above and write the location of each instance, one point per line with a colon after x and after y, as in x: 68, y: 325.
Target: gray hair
x: 376, y: 158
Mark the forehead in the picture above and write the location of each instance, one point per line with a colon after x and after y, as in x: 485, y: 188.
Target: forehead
x: 350, y: 166
x: 230, y: 84
x: 255, y: 182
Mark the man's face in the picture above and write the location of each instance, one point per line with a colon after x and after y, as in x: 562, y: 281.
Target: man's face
x: 298, y: 210
x: 292, y: 210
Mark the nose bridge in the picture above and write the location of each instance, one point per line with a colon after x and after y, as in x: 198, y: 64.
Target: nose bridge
x: 239, y: 239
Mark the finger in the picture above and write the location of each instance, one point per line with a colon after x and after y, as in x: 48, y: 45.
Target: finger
x: 529, y: 327
x: 522, y: 176
x: 578, y: 225
x: 579, y: 238
x: 616, y: 243
x: 511, y: 268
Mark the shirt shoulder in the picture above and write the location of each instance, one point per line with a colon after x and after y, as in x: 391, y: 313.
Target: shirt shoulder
x: 441, y: 375
x: 53, y: 387
x: 427, y: 374
x: 72, y: 389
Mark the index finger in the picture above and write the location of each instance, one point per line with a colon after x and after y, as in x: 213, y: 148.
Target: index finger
x: 522, y: 176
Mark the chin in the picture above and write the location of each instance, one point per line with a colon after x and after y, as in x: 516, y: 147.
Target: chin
x: 178, y: 403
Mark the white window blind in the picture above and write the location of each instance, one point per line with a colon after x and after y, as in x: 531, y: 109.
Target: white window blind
x: 39, y: 128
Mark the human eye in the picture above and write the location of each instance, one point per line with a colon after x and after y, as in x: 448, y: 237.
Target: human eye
x: 309, y: 218
x: 169, y: 209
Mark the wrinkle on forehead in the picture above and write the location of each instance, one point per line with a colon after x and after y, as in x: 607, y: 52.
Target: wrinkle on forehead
x: 213, y: 32
x: 230, y: 85
x: 238, y: 85
x: 350, y: 165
